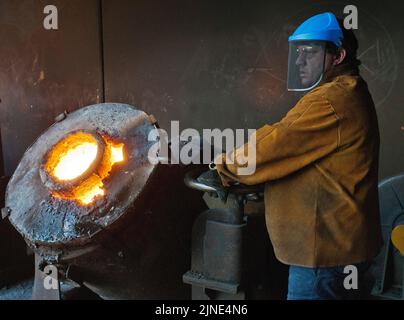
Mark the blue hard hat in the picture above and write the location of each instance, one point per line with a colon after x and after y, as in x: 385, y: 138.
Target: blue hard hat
x: 321, y: 27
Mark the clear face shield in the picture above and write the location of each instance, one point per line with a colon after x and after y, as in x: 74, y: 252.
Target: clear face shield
x: 306, y: 64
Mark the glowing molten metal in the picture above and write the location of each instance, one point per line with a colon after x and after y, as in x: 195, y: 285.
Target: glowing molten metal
x: 79, y: 163
x: 76, y: 161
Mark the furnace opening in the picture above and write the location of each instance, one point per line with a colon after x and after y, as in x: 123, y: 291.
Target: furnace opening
x: 75, y: 167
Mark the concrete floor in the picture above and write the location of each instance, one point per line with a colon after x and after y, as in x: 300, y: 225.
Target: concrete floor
x: 19, y: 291
x: 22, y: 290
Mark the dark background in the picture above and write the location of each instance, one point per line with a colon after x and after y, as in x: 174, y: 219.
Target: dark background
x: 205, y: 63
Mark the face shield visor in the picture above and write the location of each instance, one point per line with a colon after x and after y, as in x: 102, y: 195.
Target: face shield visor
x: 306, y: 64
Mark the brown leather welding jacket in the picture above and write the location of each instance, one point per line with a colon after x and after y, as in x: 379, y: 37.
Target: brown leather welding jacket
x: 320, y: 169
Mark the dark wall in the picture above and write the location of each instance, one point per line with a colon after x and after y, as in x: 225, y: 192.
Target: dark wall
x: 206, y: 63
x: 1, y: 159
x: 43, y: 72
x: 223, y: 63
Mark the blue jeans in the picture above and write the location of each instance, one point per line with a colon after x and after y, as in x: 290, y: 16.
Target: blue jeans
x: 327, y: 283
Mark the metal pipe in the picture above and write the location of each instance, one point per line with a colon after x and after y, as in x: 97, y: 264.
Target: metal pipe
x: 191, y: 182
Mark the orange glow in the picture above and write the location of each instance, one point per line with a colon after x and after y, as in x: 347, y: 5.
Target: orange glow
x: 117, y: 153
x: 88, y: 195
x: 73, y: 156
x: 76, y: 161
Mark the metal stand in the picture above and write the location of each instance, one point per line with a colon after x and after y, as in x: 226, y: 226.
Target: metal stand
x: 217, y: 245
x: 46, y: 283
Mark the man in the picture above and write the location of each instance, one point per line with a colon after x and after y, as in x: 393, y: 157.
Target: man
x: 320, y: 166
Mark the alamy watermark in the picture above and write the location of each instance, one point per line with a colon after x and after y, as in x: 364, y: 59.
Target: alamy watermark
x: 51, y: 281
x: 189, y: 146
x: 50, y: 22
x: 351, y: 280
x: 351, y: 20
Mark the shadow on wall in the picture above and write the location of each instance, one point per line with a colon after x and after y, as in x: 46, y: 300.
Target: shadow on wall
x: 15, y: 263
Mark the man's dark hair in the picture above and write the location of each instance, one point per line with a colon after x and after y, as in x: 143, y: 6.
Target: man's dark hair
x: 349, y: 43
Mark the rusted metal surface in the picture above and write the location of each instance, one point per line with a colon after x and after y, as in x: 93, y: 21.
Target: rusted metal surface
x: 46, y: 221
x: 132, y: 243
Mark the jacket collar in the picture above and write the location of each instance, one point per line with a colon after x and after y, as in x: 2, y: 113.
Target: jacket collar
x: 343, y: 69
